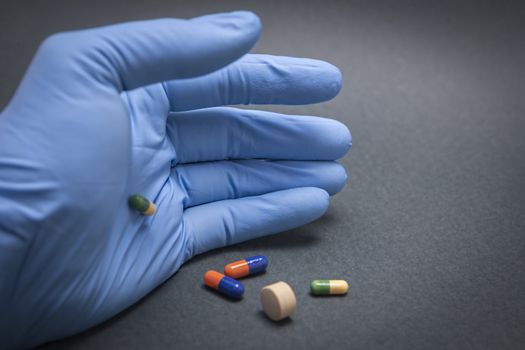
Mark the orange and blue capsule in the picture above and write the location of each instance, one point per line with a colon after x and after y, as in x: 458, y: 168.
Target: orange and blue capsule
x: 224, y: 284
x: 246, y: 267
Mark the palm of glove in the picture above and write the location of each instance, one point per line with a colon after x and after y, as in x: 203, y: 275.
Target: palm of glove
x: 105, y: 113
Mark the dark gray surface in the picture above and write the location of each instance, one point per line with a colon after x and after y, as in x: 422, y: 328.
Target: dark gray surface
x: 430, y: 230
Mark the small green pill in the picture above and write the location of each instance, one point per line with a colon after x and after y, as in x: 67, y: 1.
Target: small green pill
x: 142, y: 204
x: 329, y: 287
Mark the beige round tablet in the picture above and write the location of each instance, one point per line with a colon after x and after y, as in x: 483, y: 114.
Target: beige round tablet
x: 278, y: 301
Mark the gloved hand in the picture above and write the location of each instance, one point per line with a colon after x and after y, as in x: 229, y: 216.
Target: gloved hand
x: 107, y: 112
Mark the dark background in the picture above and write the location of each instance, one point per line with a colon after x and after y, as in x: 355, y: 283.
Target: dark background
x: 430, y: 229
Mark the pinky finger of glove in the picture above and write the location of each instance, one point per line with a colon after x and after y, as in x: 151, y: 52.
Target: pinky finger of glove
x: 227, y: 222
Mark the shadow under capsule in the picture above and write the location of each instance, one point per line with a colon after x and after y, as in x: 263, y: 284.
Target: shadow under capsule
x: 219, y: 294
x: 327, y: 295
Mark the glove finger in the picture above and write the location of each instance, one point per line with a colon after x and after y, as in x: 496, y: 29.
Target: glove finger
x: 135, y: 54
x: 222, y: 223
x: 230, y: 133
x: 214, y: 181
x: 258, y: 79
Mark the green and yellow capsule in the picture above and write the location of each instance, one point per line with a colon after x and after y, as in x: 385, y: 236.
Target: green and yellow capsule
x: 328, y: 287
x: 142, y: 205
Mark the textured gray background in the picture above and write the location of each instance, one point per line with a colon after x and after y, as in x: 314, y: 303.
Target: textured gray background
x: 430, y: 229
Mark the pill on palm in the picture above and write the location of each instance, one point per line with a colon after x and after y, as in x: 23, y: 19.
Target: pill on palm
x: 278, y: 301
x: 224, y: 284
x: 329, y: 287
x: 142, y: 204
x: 245, y: 267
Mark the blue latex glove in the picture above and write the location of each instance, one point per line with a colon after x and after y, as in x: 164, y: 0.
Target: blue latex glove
x: 107, y: 112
